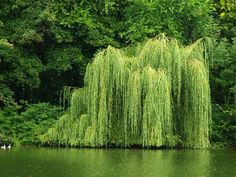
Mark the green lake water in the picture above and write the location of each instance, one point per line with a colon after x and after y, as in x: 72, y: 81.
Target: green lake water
x: 46, y: 162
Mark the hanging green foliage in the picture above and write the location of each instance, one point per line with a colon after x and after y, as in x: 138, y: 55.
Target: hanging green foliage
x: 154, y: 95
x: 197, y: 110
x: 157, y: 112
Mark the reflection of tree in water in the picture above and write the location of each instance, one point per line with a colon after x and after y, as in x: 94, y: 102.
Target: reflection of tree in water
x: 38, y: 162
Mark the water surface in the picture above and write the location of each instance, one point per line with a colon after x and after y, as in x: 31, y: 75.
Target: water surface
x: 46, y: 162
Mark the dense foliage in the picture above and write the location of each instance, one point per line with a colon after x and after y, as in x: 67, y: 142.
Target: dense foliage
x: 154, y: 99
x: 46, y: 45
x: 24, y: 124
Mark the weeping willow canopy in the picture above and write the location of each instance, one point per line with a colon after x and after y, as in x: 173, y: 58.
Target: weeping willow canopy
x: 155, y: 95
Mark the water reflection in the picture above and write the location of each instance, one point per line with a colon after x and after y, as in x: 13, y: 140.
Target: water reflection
x: 42, y: 162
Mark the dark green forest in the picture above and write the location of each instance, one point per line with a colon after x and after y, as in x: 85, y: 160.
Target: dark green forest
x: 45, y: 45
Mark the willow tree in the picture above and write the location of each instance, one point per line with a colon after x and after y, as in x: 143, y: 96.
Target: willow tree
x: 153, y: 95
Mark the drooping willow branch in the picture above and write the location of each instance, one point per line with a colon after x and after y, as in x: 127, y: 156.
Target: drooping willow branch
x: 153, y: 95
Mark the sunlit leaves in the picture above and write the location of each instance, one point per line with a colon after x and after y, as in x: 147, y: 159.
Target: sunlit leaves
x: 159, y: 98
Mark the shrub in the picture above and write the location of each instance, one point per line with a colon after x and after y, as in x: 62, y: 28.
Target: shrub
x: 23, y: 124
